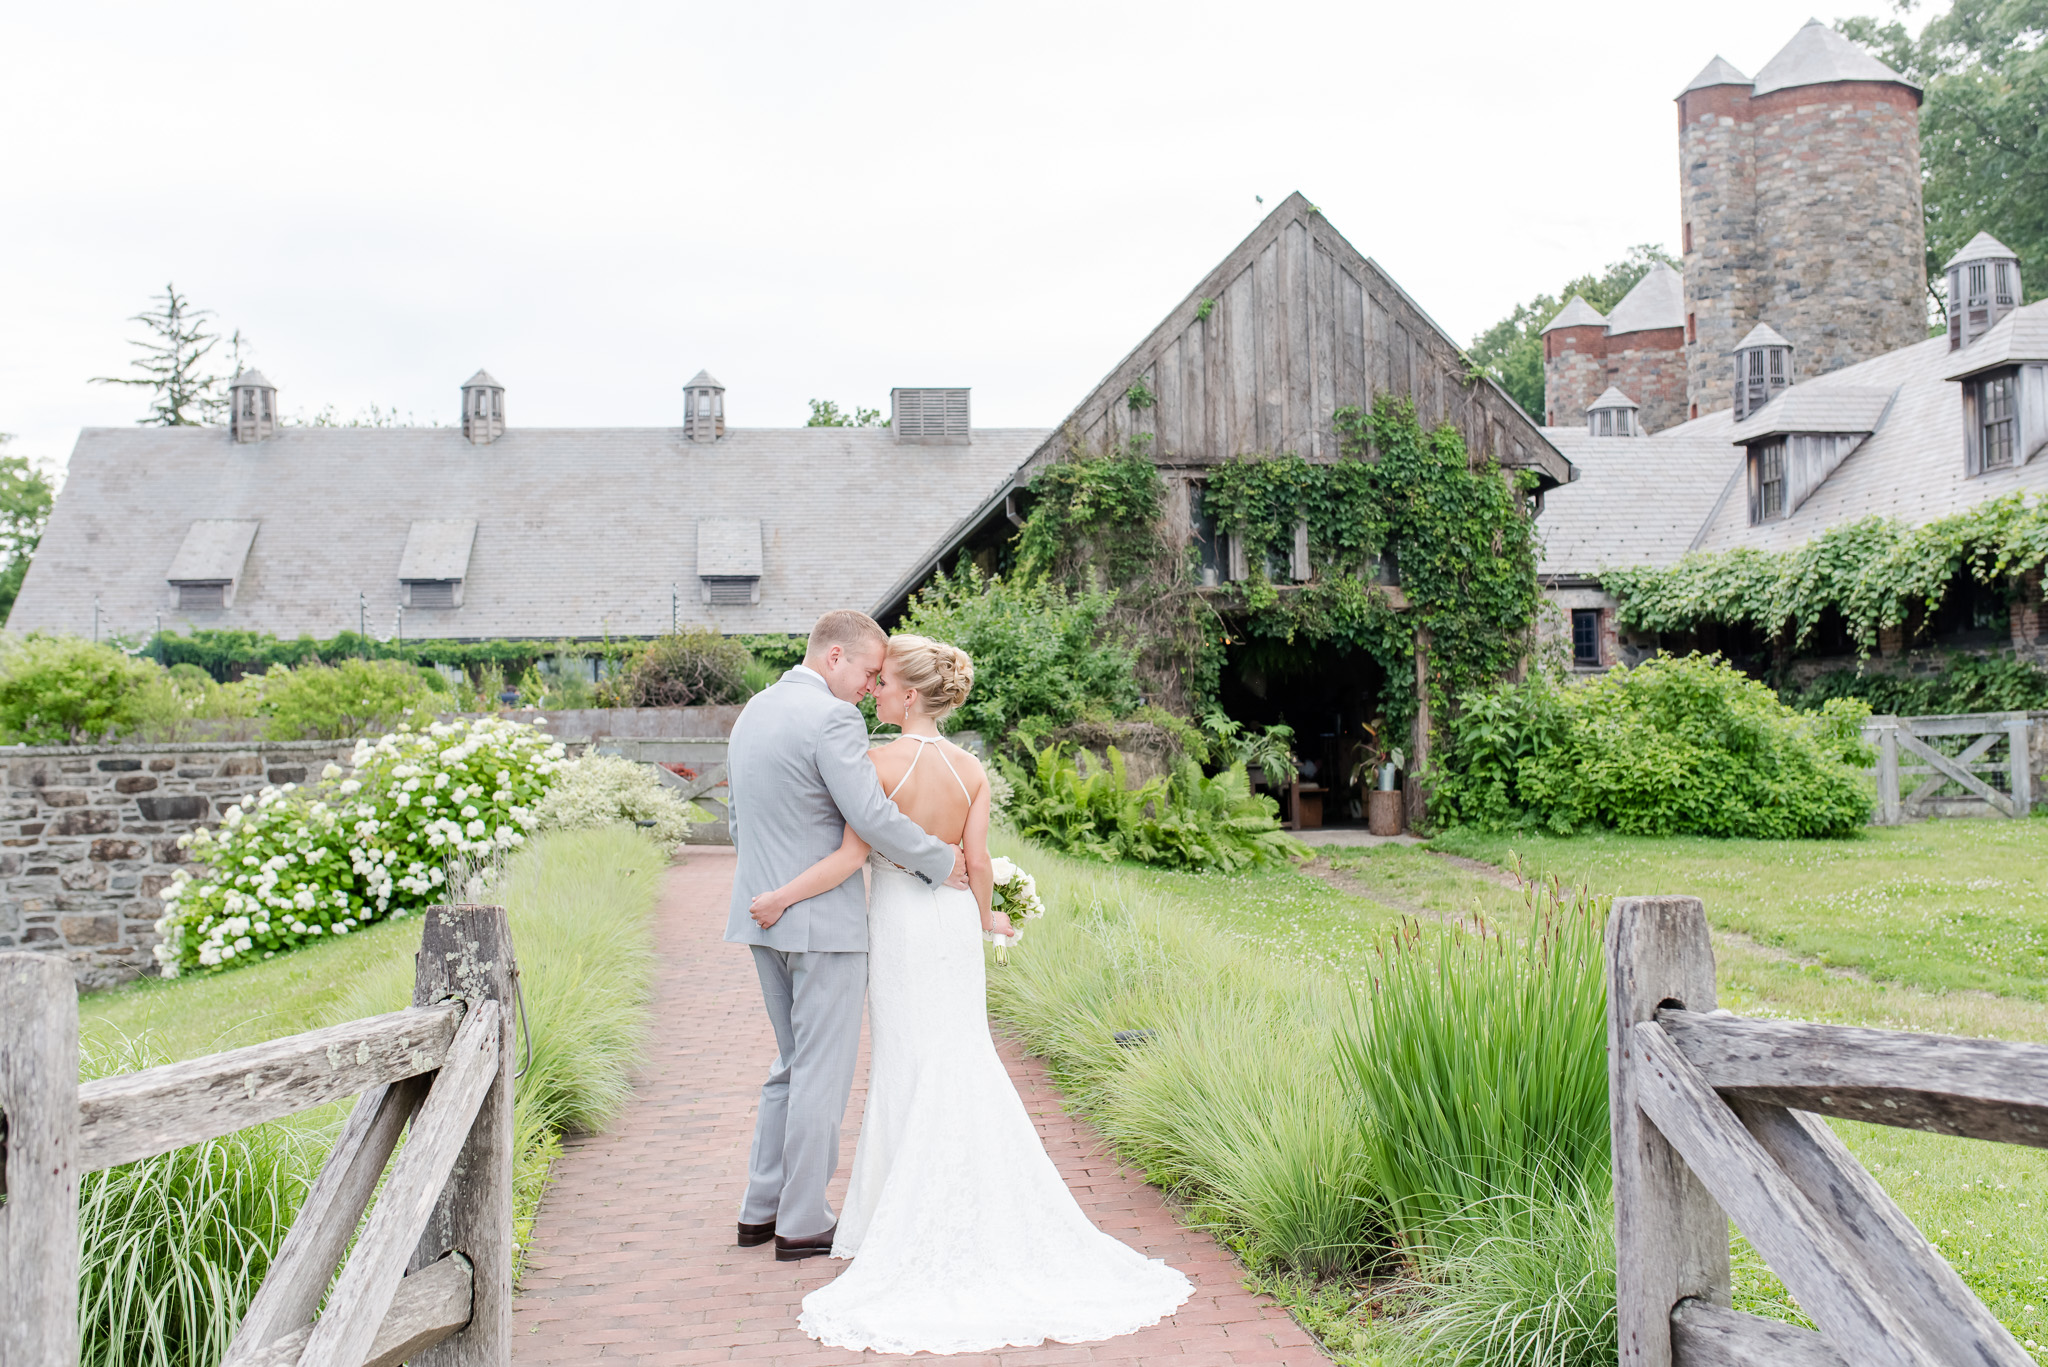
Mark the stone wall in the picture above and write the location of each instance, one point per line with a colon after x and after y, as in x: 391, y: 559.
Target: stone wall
x: 1717, y: 213
x: 1574, y: 374
x: 88, y: 838
x: 1649, y: 367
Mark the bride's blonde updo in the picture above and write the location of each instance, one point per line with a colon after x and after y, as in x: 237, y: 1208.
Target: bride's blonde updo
x: 941, y: 674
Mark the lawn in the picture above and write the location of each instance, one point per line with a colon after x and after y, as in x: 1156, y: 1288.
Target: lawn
x: 1932, y: 927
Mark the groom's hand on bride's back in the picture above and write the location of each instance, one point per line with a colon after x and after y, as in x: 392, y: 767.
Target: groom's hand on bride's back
x: 958, y: 878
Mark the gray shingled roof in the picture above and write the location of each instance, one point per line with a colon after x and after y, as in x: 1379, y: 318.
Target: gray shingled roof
x: 2021, y: 335
x: 213, y: 549
x: 1806, y: 408
x: 729, y: 546
x: 481, y: 380
x: 1613, y: 398
x: 250, y: 378
x: 1763, y: 334
x: 1817, y: 55
x: 437, y: 548
x: 1577, y: 314
x: 1637, y: 500
x: 1657, y: 301
x: 703, y: 380
x: 1982, y: 247
x: 1720, y: 71
x: 579, y: 532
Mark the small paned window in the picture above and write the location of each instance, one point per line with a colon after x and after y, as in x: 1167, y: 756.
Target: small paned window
x: 1586, y: 636
x: 2002, y: 274
x: 1770, y: 481
x: 1995, y: 422
x: 1211, y: 557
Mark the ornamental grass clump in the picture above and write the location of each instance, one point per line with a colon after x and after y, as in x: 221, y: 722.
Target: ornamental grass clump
x: 1480, y: 1062
x: 291, y: 865
x: 1675, y: 746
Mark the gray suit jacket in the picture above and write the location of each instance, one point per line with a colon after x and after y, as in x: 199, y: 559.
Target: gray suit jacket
x: 798, y: 770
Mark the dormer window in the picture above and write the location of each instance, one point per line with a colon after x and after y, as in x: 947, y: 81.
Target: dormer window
x: 209, y: 564
x: 1763, y: 369
x: 435, y: 562
x: 1613, y: 414
x: 1991, y: 404
x: 1767, y: 481
x: 729, y: 561
x: 1983, y: 286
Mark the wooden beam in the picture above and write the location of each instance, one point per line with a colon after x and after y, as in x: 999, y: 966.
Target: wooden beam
x: 1963, y: 778
x: 1704, y: 1335
x: 156, y: 1110
x: 1671, y: 1240
x: 1943, y: 1084
x: 363, y: 1293
x: 1822, y: 1273
x: 430, y: 1305
x: 38, y: 1161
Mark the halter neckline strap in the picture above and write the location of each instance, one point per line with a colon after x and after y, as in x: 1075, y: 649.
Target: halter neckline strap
x: 924, y: 741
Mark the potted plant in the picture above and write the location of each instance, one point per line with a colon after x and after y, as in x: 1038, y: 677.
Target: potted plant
x: 1379, y: 771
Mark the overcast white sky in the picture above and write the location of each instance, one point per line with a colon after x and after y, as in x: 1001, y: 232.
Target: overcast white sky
x: 595, y: 200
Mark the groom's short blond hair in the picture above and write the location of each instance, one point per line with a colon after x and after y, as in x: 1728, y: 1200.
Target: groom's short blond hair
x: 845, y: 628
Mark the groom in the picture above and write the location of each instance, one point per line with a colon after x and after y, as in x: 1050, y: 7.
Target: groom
x: 799, y: 775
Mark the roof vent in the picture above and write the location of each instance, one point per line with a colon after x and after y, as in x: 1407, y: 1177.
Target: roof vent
x: 208, y: 566
x: 703, y: 408
x: 483, y: 409
x: 435, y: 562
x: 252, y: 407
x: 1983, y: 286
x: 1763, y: 367
x: 729, y: 560
x: 929, y: 417
x: 1613, y: 414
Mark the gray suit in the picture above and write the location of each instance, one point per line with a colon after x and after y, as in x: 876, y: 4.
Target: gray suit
x: 799, y: 775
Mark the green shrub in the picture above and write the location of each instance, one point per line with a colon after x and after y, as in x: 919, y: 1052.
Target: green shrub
x: 696, y: 667
x: 1966, y: 683
x: 1042, y: 656
x: 609, y: 790
x: 343, y: 701
x: 1676, y: 746
x: 63, y: 690
x: 1483, y: 1069
x: 1185, y: 820
x: 289, y: 865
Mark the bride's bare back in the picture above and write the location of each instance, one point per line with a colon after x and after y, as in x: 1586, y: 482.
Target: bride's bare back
x: 924, y: 791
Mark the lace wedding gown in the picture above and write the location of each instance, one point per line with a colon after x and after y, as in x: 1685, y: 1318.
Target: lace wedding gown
x: 963, y: 1234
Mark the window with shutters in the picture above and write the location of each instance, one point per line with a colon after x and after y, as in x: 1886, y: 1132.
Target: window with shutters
x: 211, y: 597
x: 1994, y: 420
x: 1767, y: 466
x: 433, y: 593
x: 930, y: 417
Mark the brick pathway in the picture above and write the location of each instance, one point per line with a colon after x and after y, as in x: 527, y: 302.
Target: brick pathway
x: 634, y: 1260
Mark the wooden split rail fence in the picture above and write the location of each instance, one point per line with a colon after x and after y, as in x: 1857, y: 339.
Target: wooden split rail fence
x: 429, y: 1281
x: 1905, y: 752
x: 1718, y: 1117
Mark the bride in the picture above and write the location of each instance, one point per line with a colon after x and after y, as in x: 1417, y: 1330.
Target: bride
x: 963, y: 1234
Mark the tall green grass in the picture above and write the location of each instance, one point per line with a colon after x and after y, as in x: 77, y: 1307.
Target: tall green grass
x: 1483, y: 1064
x: 175, y: 1246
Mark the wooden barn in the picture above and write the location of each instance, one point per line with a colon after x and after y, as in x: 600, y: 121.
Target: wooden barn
x: 1292, y: 326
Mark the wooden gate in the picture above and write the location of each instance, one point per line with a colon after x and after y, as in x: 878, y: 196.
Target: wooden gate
x: 430, y: 1279
x: 1904, y: 754
x: 1717, y: 1117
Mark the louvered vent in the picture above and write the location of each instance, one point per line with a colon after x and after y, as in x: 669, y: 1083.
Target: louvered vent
x: 731, y: 591
x: 929, y: 417
x: 433, y: 593
x: 202, y: 597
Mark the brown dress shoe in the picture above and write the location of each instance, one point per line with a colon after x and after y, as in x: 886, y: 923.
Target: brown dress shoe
x: 751, y: 1235
x: 790, y: 1250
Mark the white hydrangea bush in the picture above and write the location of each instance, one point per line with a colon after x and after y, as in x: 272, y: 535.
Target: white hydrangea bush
x: 289, y: 866
x: 605, y: 790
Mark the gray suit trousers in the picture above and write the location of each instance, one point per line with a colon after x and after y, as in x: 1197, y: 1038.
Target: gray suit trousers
x: 814, y: 1000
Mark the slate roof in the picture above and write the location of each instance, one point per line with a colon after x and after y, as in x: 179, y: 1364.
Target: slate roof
x: 481, y: 380
x: 1982, y: 247
x: 250, y: 379
x: 1817, y: 55
x: 1613, y: 398
x: 579, y: 532
x: 1720, y: 71
x: 703, y: 380
x: 1577, y: 314
x: 2021, y: 335
x: 437, y: 548
x: 213, y: 550
x: 1810, y: 408
x: 1657, y: 301
x: 1763, y: 334
x: 1637, y: 500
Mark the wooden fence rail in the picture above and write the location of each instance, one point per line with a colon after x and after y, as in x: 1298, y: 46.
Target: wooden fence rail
x: 430, y: 1279
x: 1904, y: 753
x: 1716, y: 1117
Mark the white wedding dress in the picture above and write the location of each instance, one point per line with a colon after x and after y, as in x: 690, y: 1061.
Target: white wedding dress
x: 963, y: 1234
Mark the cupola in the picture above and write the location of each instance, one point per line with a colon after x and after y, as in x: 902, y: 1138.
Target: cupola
x: 252, y: 407
x: 1763, y: 368
x: 1613, y: 414
x: 483, y: 409
x: 1983, y: 286
x: 703, y: 408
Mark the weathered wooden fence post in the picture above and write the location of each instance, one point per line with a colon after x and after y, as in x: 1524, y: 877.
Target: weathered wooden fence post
x: 1888, y: 809
x: 2018, y: 736
x: 1671, y: 1237
x: 38, y: 1162
x: 466, y: 951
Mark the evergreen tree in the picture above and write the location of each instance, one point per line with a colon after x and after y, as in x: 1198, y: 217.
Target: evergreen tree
x: 184, y: 391
x: 26, y: 495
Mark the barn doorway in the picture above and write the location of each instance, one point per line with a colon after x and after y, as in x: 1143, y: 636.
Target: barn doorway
x: 1329, y: 696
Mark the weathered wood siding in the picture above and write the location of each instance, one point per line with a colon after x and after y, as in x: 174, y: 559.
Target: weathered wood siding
x: 1299, y: 325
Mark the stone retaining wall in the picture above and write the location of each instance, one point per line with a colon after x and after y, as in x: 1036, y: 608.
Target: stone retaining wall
x: 89, y: 837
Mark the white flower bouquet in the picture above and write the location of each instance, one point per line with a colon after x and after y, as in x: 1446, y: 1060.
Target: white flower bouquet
x: 1016, y: 896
